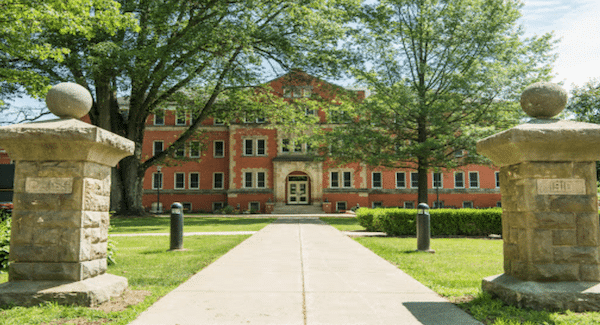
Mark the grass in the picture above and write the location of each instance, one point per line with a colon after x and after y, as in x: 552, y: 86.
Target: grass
x: 456, y: 270
x: 343, y: 223
x: 190, y: 224
x: 147, y: 265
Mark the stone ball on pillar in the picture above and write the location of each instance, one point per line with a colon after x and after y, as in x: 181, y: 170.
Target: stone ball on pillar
x: 543, y: 100
x: 69, y: 100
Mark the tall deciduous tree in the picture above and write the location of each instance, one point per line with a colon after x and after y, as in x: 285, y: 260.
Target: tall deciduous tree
x: 21, y: 22
x: 443, y: 73
x: 584, y: 103
x: 213, y: 45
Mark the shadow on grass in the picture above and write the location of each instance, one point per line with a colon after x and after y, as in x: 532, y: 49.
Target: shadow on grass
x: 149, y: 224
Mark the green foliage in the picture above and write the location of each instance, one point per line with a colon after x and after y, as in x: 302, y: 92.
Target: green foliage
x: 443, y: 74
x: 444, y: 222
x: 584, y: 103
x: 4, y: 239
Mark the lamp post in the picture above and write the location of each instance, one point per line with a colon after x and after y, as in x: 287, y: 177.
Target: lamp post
x: 158, y: 186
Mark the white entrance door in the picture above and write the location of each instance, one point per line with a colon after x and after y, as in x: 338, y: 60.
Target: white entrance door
x: 298, y: 190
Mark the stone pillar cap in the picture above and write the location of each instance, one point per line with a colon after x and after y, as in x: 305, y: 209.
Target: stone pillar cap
x: 543, y: 140
x: 64, y: 140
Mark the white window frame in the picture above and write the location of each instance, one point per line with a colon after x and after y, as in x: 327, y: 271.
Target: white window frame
x: 377, y: 204
x: 222, y: 181
x: 190, y: 181
x: 337, y: 208
x: 156, y: 114
x: 373, y: 185
x: 433, y: 180
x: 463, y: 179
x: 215, y: 149
x: 264, y: 147
x: 474, y: 173
x: 264, y: 181
x: 246, y: 174
x: 179, y: 153
x: 349, y: 180
x: 192, y: 149
x: 411, y: 203
x: 412, y: 181
x: 341, y: 179
x: 248, y: 144
x: 162, y: 143
x: 220, y: 204
x: 253, y: 142
x: 175, y: 186
x: 217, y: 121
x: 154, y: 187
x: 466, y: 203
x: 331, y: 185
x: 404, y: 174
x: 178, y: 117
x: 497, y: 177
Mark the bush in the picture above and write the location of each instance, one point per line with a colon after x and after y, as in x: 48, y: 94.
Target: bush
x: 444, y: 222
x: 4, y: 239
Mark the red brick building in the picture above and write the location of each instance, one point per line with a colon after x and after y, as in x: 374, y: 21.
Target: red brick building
x: 249, y: 166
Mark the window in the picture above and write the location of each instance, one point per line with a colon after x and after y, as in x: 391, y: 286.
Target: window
x: 285, y: 145
x: 219, y: 149
x: 473, y: 179
x: 218, y: 206
x: 193, y: 116
x: 218, y: 181
x: 179, y: 181
x: 297, y: 92
x: 309, y: 112
x: 218, y: 122
x: 248, y: 147
x: 247, y: 180
x: 339, y: 116
x: 180, y: 117
x: 459, y: 180
x: 497, y: 174
x: 260, y: 180
x: 409, y: 205
x: 255, y: 147
x: 400, y: 180
x: 376, y: 180
x: 414, y: 180
x: 195, y: 149
x: 297, y: 146
x: 254, y: 206
x: 261, y: 120
x: 158, y: 147
x: 194, y: 181
x: 307, y: 92
x: 458, y: 153
x: 347, y: 179
x: 438, y: 204
x: 437, y: 180
x: 377, y: 205
x: 499, y: 204
x: 159, y: 117
x: 468, y: 205
x: 187, y: 206
x: 335, y: 179
x: 157, y: 181
x: 340, y: 206
x: 287, y: 92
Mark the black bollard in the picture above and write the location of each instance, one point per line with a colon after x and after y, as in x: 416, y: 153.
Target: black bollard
x: 423, y: 228
x: 176, y: 227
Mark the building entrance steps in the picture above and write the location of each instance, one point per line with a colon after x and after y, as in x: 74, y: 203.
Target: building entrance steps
x: 302, y: 271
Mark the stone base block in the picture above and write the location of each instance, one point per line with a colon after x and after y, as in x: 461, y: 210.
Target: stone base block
x: 89, y: 292
x: 576, y: 296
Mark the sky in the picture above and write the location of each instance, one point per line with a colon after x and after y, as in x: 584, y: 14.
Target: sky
x: 575, y: 22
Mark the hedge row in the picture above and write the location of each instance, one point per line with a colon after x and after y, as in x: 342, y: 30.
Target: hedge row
x: 4, y: 239
x: 444, y: 222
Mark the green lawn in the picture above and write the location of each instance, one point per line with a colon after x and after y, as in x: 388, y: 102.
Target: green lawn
x: 147, y: 265
x: 343, y: 224
x: 190, y: 224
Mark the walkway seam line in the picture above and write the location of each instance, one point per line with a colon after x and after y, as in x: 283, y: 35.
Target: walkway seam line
x: 302, y: 272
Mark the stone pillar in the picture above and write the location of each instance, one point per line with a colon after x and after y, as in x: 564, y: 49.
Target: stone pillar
x: 61, y: 203
x: 550, y: 210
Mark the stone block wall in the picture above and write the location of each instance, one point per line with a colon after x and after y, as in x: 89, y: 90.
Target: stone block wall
x: 550, y: 221
x: 60, y: 231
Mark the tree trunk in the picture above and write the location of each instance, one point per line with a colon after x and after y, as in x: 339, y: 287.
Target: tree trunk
x: 131, y: 186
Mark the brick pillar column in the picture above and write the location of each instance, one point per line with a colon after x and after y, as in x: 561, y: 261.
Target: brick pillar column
x: 550, y: 208
x: 61, y: 203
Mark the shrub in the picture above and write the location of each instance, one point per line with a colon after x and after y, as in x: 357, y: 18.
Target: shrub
x: 4, y: 239
x: 444, y: 222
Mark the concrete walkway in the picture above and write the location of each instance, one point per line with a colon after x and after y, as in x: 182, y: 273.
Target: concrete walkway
x: 302, y: 271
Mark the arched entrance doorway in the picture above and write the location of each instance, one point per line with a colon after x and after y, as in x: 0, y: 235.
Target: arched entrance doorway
x: 298, y: 189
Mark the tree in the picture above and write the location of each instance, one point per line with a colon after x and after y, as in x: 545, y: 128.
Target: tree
x: 443, y: 74
x: 24, y: 19
x: 216, y: 47
x: 584, y: 103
